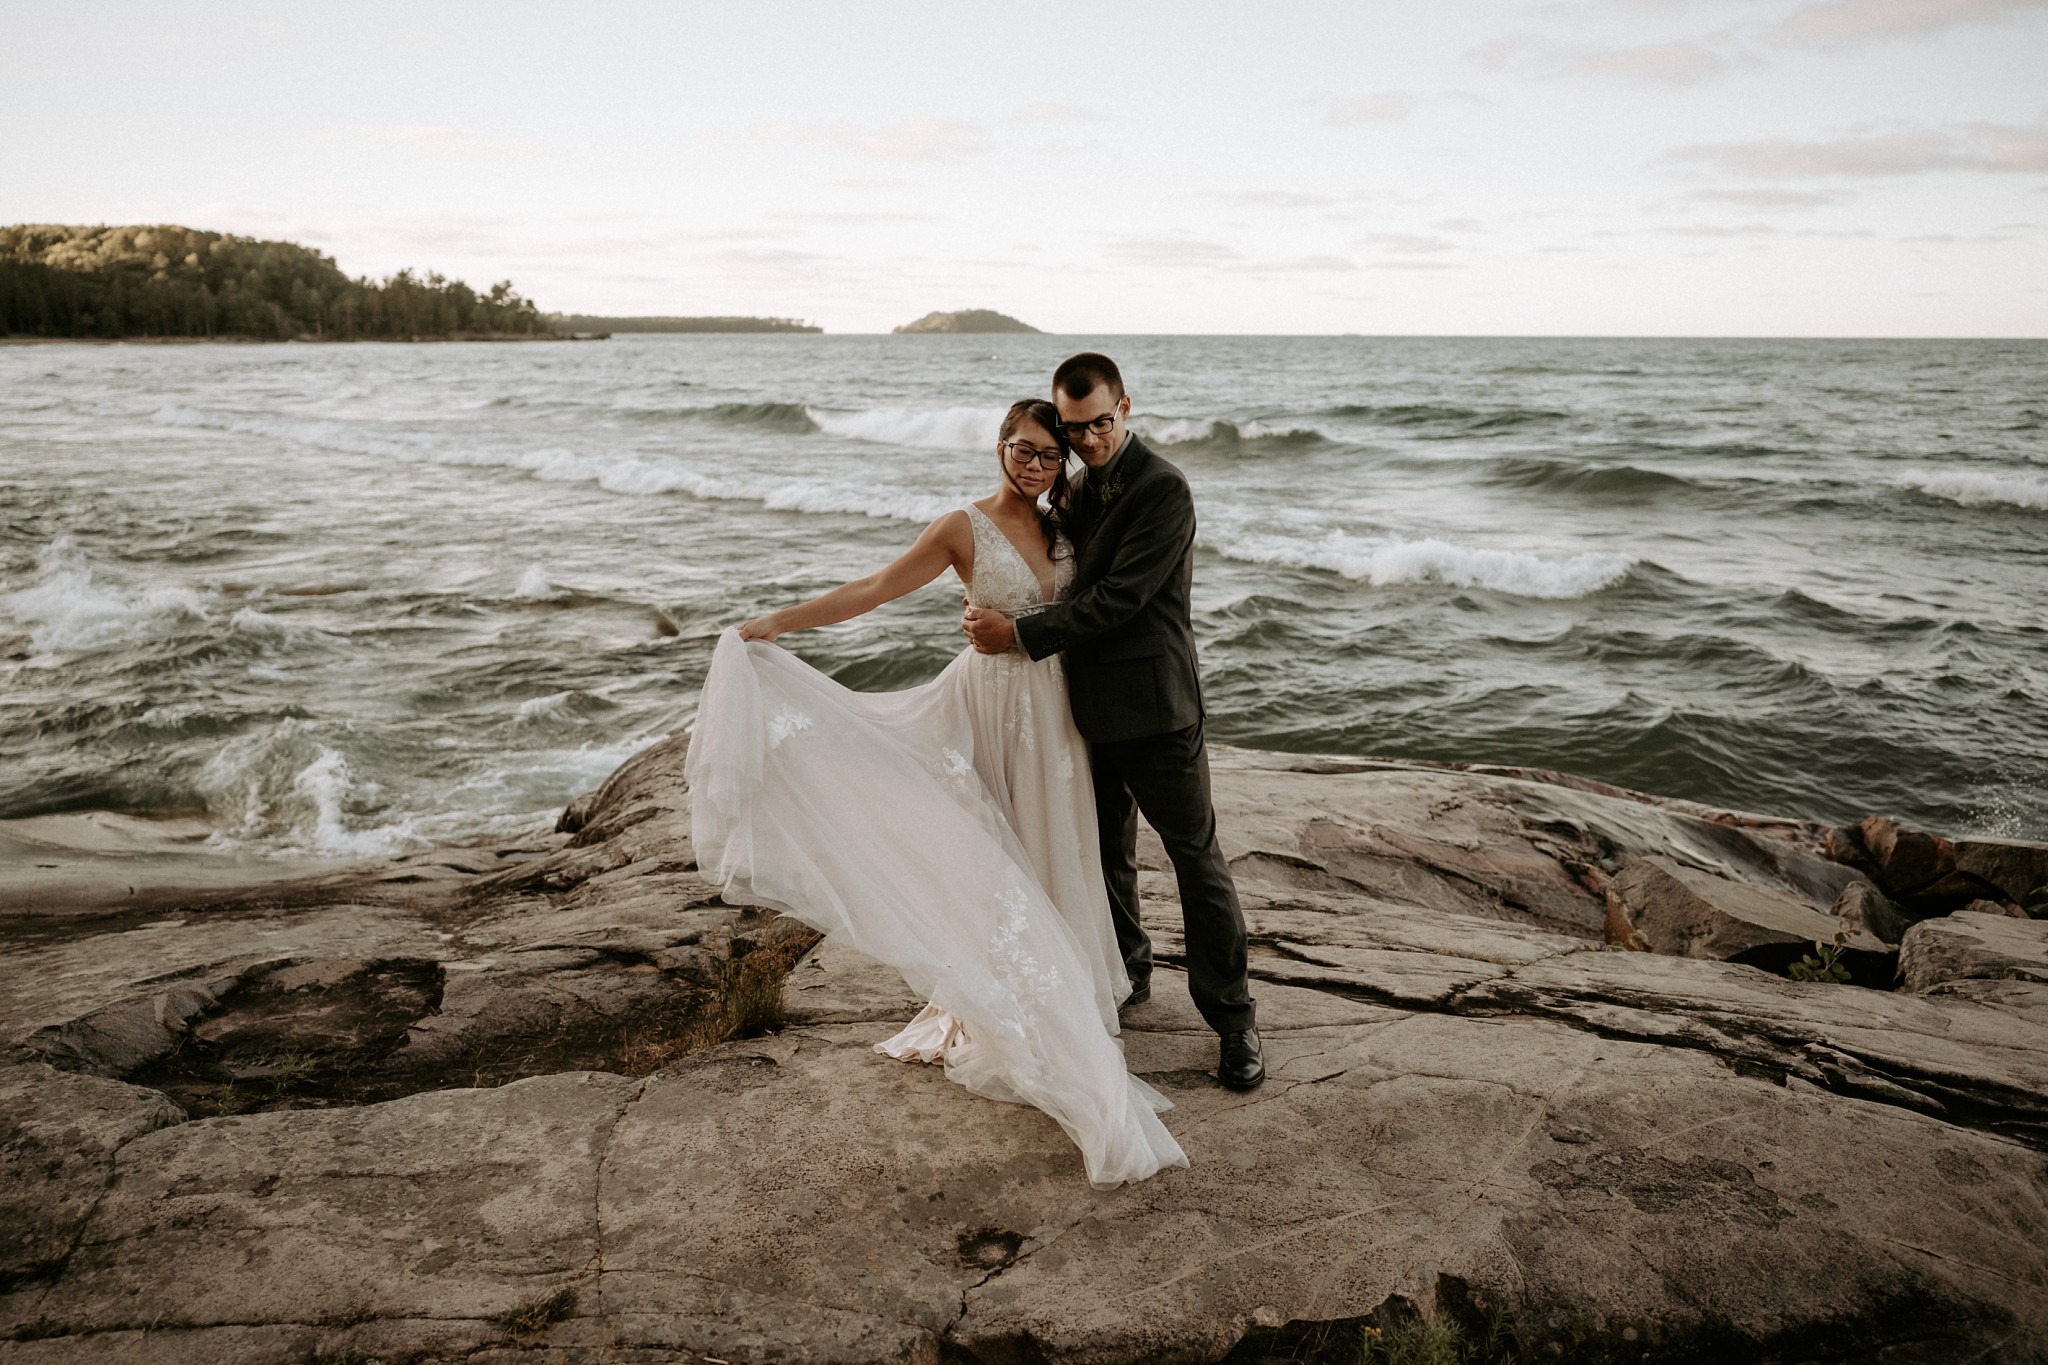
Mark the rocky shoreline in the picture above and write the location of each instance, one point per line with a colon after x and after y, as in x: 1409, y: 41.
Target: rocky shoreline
x: 1536, y: 1069
x: 307, y: 338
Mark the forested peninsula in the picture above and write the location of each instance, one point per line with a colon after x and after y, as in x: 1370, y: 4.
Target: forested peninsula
x: 177, y: 282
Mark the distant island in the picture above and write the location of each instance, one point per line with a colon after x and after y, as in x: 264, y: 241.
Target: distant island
x: 165, y: 282
x: 585, y: 322
x: 967, y: 320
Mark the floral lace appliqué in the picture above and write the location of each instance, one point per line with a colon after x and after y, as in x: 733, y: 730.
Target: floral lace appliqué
x: 788, y: 723
x: 1018, y: 969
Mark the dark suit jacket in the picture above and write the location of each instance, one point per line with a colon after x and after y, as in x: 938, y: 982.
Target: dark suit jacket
x: 1125, y: 632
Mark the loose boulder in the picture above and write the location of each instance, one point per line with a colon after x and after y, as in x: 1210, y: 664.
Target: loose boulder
x: 1862, y: 906
x: 2017, y: 868
x: 1972, y: 946
x: 1926, y: 874
x: 1688, y: 912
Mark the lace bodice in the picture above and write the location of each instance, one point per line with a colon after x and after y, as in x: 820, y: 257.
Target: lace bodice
x: 1004, y: 580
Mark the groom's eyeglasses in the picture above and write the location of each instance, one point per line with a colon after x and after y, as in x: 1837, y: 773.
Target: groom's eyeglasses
x: 1024, y: 456
x: 1099, y: 426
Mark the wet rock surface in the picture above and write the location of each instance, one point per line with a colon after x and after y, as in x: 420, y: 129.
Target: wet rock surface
x: 462, y: 1107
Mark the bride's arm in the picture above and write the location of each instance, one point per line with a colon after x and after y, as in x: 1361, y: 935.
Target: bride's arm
x: 947, y: 543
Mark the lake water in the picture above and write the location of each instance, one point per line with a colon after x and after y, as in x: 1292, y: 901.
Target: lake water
x: 350, y: 599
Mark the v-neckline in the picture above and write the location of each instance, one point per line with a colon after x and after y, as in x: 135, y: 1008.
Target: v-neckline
x: 1047, y: 591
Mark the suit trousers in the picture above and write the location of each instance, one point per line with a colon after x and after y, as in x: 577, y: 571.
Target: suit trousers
x: 1167, y: 778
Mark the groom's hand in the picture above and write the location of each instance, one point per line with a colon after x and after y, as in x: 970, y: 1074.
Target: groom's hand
x: 990, y: 632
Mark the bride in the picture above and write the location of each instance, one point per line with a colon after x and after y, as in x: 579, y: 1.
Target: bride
x: 947, y: 830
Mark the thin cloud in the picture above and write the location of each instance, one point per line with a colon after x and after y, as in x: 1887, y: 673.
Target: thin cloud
x: 460, y: 142
x: 1276, y: 199
x: 1044, y: 112
x: 851, y: 219
x: 916, y: 140
x: 1408, y: 243
x: 1681, y: 63
x: 1839, y: 25
x: 1906, y: 151
x: 1717, y: 230
x: 1824, y: 26
x: 1297, y: 265
x: 1772, y: 198
x: 1382, y: 106
x: 1171, y: 251
x: 1182, y: 253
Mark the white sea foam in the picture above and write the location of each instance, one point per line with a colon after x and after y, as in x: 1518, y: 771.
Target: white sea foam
x: 1175, y: 431
x: 1971, y: 488
x: 534, y: 585
x: 283, y: 789
x: 959, y: 428
x: 1390, y: 560
x: 645, y: 476
x: 328, y: 784
x: 554, y: 706
x: 69, y: 608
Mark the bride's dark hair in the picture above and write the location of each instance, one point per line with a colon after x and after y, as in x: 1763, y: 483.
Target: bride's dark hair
x: 1052, y: 518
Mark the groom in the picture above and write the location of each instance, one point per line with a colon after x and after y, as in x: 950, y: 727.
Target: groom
x: 1137, y: 697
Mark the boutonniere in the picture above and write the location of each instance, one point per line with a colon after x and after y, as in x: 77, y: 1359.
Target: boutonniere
x: 1108, y: 489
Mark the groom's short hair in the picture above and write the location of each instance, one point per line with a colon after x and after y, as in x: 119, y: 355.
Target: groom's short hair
x: 1080, y: 375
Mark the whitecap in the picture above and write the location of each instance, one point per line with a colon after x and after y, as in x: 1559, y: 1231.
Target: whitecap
x: 958, y: 428
x: 638, y: 476
x: 69, y: 609
x: 328, y: 784
x: 534, y: 585
x: 1382, y: 562
x: 1971, y: 488
x: 554, y: 706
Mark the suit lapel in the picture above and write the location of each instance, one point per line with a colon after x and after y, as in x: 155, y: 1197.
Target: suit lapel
x: 1087, y: 510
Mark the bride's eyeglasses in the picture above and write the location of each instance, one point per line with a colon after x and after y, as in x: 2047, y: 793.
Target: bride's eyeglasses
x: 1024, y: 456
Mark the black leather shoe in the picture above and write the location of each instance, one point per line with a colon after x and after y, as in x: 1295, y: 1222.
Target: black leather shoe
x: 1241, y: 1067
x: 1140, y: 993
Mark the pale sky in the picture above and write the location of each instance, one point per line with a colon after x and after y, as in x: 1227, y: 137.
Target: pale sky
x: 1649, y: 167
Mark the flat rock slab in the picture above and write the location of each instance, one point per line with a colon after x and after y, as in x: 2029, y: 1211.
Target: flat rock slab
x: 1973, y: 946
x: 799, y: 1198
x: 1470, y: 1097
x: 58, y: 1137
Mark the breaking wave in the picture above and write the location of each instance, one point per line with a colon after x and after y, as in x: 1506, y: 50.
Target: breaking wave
x: 1384, y: 562
x: 1967, y: 488
x: 70, y: 609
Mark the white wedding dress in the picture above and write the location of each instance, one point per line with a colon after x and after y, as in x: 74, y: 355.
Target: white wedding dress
x: 949, y: 831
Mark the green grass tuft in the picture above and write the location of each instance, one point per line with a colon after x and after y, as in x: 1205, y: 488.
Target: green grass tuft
x: 1442, y: 1341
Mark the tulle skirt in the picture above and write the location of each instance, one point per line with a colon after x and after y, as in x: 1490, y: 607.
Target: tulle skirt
x: 948, y: 831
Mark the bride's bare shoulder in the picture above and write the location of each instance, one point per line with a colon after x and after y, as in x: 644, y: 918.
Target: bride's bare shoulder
x: 953, y: 531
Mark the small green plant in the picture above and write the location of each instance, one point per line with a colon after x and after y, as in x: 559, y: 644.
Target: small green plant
x: 2035, y: 903
x: 286, y: 1070
x: 1824, y: 963
x: 1443, y: 1341
x: 536, y: 1315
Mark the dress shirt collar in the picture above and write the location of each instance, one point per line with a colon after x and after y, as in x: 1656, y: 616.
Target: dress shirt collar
x: 1096, y: 474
